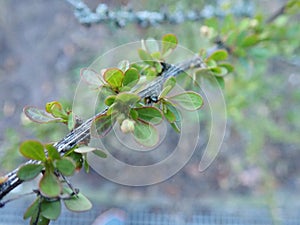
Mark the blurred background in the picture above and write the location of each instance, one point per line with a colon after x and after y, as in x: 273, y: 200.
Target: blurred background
x: 255, y: 177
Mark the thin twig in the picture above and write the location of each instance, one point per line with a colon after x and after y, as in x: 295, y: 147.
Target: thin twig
x: 83, y: 131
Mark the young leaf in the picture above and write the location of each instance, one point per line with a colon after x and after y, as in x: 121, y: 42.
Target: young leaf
x: 33, y: 150
x: 52, y: 152
x: 50, y: 210
x: 50, y: 185
x: 188, y: 100
x: 29, y: 171
x: 32, y: 209
x: 114, y: 77
x: 91, y: 77
x: 128, y: 98
x: 71, y: 121
x: 56, y: 109
x: 250, y: 41
x: 110, y: 100
x: 131, y: 77
x: 228, y: 66
x: 151, y: 45
x: 102, y: 125
x: 145, y: 56
x: 84, y: 149
x: 66, y: 166
x: 149, y: 115
x: 145, y: 134
x: 218, y: 55
x: 39, y: 115
x: 169, y: 43
x: 77, y: 203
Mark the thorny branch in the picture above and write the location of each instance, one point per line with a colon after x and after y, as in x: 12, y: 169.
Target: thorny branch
x: 122, y: 17
x: 83, y: 131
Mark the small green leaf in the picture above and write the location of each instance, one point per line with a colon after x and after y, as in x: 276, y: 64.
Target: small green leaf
x: 100, y: 153
x: 56, y: 109
x: 219, y: 71
x: 171, y: 81
x: 218, y: 55
x: 176, y: 126
x: 165, y: 91
x: 221, y: 82
x: 250, y: 41
x: 52, y: 152
x: 50, y: 185
x: 50, y: 210
x: 39, y: 115
x: 32, y: 209
x: 149, y: 114
x: 128, y: 98
x: 110, y: 100
x: 188, y: 100
x: 145, y: 56
x: 124, y: 65
x: 169, y: 43
x: 133, y: 114
x: 66, y: 166
x: 91, y: 77
x: 71, y: 121
x: 114, y: 77
x: 33, y: 150
x: 29, y: 171
x: 102, y: 125
x: 131, y: 77
x: 145, y: 134
x: 40, y: 221
x: 228, y: 66
x: 77, y: 203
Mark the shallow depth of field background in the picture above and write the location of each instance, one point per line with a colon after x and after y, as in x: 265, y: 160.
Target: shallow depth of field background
x: 43, y: 47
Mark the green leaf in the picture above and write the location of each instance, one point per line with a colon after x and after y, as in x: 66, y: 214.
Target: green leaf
x: 218, y: 55
x: 71, y: 121
x: 171, y: 81
x: 41, y: 220
x: 51, y: 210
x: 102, y: 125
x: 131, y: 77
x: 77, y: 203
x: 228, y: 66
x: 33, y: 150
x: 128, y: 98
x: 29, y: 171
x: 250, y: 41
x: 52, y: 152
x: 169, y: 43
x: 149, y: 114
x: 50, y: 185
x: 221, y: 82
x: 188, y: 100
x: 56, y: 109
x: 219, y: 71
x: 100, y: 153
x: 66, y: 166
x: 91, y: 77
x: 145, y: 56
x: 110, y: 100
x: 39, y: 115
x: 165, y: 91
x: 114, y: 77
x: 145, y: 134
x: 32, y: 209
x: 133, y: 114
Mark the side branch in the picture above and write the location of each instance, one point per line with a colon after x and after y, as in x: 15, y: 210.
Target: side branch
x: 83, y: 131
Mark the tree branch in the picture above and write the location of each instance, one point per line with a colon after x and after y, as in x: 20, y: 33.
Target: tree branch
x: 122, y: 17
x: 83, y: 131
